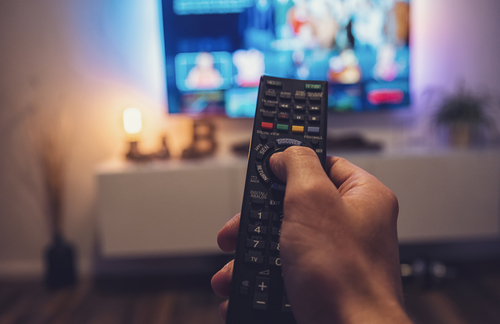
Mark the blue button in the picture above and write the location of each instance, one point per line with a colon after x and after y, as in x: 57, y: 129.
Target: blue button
x: 313, y: 130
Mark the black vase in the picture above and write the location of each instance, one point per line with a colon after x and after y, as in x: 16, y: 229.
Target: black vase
x: 60, y: 264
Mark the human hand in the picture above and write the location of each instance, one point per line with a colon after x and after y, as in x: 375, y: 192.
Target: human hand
x: 338, y: 243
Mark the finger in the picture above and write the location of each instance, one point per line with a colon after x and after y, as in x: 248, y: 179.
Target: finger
x: 228, y: 235
x: 340, y: 170
x: 221, y: 281
x: 223, y: 309
x: 346, y: 175
x: 297, y: 166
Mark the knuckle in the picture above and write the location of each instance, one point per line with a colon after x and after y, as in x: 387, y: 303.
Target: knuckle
x: 299, y: 151
x: 392, y: 201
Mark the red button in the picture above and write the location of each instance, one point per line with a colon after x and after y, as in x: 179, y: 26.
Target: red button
x: 265, y: 125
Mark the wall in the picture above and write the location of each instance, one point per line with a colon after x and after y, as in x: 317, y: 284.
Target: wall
x: 91, y: 59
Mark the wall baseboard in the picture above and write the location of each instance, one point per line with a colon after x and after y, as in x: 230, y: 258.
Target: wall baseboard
x: 34, y: 269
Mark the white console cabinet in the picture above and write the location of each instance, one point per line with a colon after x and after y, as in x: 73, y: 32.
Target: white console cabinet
x: 177, y: 207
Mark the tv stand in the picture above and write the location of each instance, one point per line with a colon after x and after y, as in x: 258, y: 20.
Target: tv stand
x: 177, y: 207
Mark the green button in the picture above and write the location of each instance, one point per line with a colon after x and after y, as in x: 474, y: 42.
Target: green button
x: 310, y: 86
x: 282, y: 127
x: 274, y: 83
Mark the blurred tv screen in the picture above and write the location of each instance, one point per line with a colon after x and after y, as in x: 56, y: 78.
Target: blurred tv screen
x: 216, y: 51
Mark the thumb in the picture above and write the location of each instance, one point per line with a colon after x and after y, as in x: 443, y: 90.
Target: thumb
x: 296, y: 165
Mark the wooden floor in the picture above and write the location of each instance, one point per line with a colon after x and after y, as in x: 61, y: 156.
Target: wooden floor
x: 471, y: 298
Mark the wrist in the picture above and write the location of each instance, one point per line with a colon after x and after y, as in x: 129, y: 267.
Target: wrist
x: 383, y: 311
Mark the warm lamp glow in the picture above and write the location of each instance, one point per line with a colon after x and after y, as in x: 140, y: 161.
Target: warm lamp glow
x: 132, y: 121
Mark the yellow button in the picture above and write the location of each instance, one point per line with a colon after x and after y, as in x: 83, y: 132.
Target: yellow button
x: 298, y: 129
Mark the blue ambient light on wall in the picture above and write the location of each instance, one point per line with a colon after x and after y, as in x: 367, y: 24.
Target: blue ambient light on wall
x: 121, y: 40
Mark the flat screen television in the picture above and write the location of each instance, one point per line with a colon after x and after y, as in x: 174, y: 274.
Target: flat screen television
x: 216, y: 51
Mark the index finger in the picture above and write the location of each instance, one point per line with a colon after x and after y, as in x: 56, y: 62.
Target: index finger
x: 339, y: 169
x: 228, y: 235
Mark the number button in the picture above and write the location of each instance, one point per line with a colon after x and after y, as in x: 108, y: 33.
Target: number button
x: 275, y: 261
x: 259, y: 215
x: 275, y: 246
x: 277, y: 218
x: 257, y: 229
x: 256, y: 244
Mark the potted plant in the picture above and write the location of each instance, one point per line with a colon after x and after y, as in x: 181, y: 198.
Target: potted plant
x: 50, y: 137
x: 465, y: 118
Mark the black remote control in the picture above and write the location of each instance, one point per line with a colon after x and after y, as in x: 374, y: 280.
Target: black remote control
x: 289, y: 112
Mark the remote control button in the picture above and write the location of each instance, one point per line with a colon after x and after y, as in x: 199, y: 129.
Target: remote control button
x: 274, y: 83
x: 277, y: 217
x: 300, y: 95
x: 270, y: 103
x: 261, y: 285
x: 260, y: 296
x: 260, y: 301
x: 257, y: 229
x: 244, y: 290
x: 313, y: 87
x: 283, y: 116
x: 257, y: 259
x: 257, y: 201
x: 270, y: 93
x: 284, y: 106
x: 300, y: 108
x: 268, y: 114
x: 275, y: 231
x: 315, y: 141
x: 312, y: 130
x: 256, y: 244
x: 299, y: 118
x: 314, y: 96
x: 315, y: 109
x: 287, y: 142
x: 274, y: 203
x: 268, y: 126
x: 282, y: 128
x: 263, y: 137
x: 245, y: 285
x: 259, y: 215
x: 314, y: 119
x: 278, y: 187
x: 264, y: 149
x: 285, y: 95
x: 285, y: 304
x: 274, y: 246
x: 297, y: 129
x: 275, y: 261
x: 262, y: 173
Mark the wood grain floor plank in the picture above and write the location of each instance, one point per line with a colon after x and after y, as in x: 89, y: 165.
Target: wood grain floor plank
x: 469, y: 300
x: 165, y: 305
x: 22, y: 306
x: 69, y: 307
